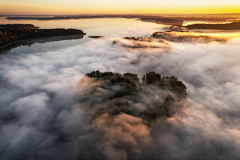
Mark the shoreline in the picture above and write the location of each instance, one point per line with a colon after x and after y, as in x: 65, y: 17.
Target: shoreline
x: 19, y: 33
x: 34, y: 40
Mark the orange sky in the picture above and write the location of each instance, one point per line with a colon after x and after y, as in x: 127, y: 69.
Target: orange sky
x: 67, y: 7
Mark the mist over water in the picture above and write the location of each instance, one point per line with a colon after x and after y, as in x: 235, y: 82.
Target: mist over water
x: 43, y: 115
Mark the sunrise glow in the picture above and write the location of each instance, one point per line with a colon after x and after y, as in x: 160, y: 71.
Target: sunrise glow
x: 71, y: 7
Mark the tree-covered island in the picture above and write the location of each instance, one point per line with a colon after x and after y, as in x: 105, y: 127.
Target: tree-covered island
x: 10, y: 33
x: 116, y: 93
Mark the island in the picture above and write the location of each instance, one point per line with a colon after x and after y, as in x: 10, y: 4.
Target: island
x: 96, y: 37
x: 14, y: 33
x: 120, y: 93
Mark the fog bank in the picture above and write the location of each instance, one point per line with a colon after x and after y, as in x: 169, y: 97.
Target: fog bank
x: 44, y: 114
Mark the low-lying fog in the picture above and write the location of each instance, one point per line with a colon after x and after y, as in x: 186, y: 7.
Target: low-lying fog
x: 42, y: 116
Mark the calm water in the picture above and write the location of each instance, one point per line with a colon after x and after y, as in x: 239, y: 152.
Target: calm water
x: 92, y: 27
x: 109, y: 27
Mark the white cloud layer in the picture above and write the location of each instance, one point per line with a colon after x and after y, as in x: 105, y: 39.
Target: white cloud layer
x: 43, y: 118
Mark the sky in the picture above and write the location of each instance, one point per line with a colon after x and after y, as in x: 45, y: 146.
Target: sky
x: 72, y: 7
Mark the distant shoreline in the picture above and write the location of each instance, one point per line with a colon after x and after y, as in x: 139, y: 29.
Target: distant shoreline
x: 228, y: 26
x: 158, y: 19
x: 144, y: 18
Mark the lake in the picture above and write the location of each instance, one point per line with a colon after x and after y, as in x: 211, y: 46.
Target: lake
x: 92, y: 27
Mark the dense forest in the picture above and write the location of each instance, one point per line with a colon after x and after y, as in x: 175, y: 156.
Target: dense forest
x: 122, y: 91
x: 14, y: 32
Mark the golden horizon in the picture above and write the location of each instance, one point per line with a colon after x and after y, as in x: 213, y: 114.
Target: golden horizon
x: 33, y: 9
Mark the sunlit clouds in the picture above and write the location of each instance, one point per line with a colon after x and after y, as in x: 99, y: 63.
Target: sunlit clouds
x: 48, y: 113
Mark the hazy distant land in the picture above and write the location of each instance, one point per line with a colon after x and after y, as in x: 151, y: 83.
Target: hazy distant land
x: 144, y: 18
x: 212, y: 17
x: 233, y: 19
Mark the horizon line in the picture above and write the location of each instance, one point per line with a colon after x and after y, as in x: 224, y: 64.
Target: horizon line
x: 119, y: 14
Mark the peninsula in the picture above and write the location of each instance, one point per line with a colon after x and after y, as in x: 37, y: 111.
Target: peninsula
x: 227, y: 26
x: 11, y: 33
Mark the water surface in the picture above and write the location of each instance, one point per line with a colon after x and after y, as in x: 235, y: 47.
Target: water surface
x: 92, y: 27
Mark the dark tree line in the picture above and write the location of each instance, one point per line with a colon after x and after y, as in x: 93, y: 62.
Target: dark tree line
x: 150, y: 78
x: 13, y: 32
x: 129, y: 81
x: 114, y: 77
x: 170, y: 83
x: 130, y: 86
